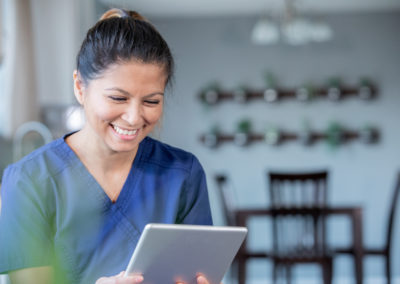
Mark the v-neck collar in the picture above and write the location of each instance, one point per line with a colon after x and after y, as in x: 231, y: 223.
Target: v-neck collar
x: 95, y: 187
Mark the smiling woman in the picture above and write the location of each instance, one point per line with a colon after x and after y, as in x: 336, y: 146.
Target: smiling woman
x: 74, y: 209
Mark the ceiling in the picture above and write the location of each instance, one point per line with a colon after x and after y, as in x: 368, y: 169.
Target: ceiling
x: 192, y: 8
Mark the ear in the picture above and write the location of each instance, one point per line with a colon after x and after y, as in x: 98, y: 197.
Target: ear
x: 78, y: 87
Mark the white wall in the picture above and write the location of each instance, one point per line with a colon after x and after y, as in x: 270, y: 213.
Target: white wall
x: 58, y: 30
x: 2, y: 42
x: 44, y: 51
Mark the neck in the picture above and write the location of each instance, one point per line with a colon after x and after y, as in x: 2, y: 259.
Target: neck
x: 95, y: 155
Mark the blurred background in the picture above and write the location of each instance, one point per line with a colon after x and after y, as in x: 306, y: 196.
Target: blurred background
x: 228, y: 53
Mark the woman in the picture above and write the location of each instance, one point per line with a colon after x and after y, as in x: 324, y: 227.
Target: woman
x: 74, y: 209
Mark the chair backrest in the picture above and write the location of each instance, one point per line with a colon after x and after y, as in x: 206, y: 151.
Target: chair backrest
x: 226, y: 196
x: 298, y: 189
x: 392, y: 213
x: 298, y: 234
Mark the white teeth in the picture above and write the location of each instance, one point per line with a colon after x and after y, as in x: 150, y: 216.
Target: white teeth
x: 124, y: 132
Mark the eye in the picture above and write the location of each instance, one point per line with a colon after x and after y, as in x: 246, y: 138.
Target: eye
x: 118, y: 98
x: 152, y: 102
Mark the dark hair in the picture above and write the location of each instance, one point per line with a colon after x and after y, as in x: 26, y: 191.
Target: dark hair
x: 121, y: 36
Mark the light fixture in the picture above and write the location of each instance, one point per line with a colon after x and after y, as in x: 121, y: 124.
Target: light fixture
x: 297, y: 31
x: 265, y: 32
x: 321, y: 32
x: 291, y: 28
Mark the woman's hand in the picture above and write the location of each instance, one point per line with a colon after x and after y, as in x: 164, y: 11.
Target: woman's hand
x: 201, y: 279
x: 121, y: 279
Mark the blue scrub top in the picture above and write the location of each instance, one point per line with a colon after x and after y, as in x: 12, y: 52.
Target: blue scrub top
x: 55, y: 213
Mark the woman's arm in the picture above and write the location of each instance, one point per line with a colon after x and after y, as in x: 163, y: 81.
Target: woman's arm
x: 35, y: 275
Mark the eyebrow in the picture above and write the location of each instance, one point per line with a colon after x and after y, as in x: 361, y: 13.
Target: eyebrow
x: 129, y: 94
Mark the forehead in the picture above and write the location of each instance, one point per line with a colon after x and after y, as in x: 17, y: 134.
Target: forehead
x: 133, y: 74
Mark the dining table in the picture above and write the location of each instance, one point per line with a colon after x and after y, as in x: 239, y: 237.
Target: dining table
x: 353, y: 213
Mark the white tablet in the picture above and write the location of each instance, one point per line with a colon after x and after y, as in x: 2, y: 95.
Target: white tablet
x: 168, y: 253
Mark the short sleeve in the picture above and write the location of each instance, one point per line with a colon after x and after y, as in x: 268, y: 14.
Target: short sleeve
x: 25, y: 231
x: 194, y: 203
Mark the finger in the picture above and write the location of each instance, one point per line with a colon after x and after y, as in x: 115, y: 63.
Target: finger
x: 105, y: 280
x: 131, y: 279
x: 138, y: 278
x: 120, y: 279
x: 202, y: 280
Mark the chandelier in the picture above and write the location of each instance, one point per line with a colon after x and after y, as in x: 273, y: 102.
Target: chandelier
x: 290, y: 27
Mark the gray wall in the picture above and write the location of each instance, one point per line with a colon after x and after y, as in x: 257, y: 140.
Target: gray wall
x: 208, y: 49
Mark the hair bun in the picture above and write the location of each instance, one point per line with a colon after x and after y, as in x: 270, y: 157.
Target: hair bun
x: 120, y: 13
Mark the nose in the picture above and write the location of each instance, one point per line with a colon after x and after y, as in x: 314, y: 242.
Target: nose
x: 133, y: 114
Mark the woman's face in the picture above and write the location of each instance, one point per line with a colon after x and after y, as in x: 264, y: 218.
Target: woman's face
x: 123, y: 105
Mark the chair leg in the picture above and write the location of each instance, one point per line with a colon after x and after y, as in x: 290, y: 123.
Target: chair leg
x: 241, y: 271
x: 280, y: 272
x: 388, y: 272
x: 234, y: 271
x: 327, y: 271
x: 288, y: 273
x: 275, y: 268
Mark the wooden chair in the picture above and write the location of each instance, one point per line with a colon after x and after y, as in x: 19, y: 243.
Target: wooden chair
x: 386, y: 250
x: 226, y: 196
x: 299, y: 237
x: 227, y: 200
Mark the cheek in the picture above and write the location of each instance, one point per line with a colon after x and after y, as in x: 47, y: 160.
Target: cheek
x: 101, y: 112
x: 154, y: 115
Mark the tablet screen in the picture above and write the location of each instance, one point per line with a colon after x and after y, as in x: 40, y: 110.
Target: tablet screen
x: 168, y: 253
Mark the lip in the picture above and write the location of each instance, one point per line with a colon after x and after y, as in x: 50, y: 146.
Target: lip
x: 125, y: 137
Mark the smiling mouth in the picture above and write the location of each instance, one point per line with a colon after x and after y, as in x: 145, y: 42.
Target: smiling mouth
x: 124, y: 131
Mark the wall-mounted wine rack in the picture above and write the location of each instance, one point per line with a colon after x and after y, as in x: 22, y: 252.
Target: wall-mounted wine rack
x: 337, y: 137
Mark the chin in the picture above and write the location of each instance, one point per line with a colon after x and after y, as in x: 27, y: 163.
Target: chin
x: 117, y: 147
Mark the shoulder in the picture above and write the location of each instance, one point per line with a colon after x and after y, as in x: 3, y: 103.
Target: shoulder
x: 162, y: 154
x: 43, y: 162
x: 29, y: 182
